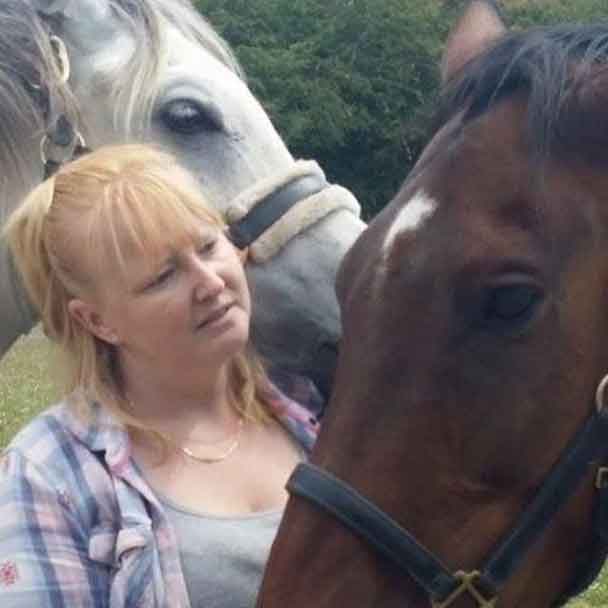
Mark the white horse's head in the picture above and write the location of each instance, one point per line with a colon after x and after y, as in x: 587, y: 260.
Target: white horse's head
x: 154, y: 70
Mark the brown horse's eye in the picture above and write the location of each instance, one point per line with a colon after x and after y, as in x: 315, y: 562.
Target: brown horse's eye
x: 512, y: 304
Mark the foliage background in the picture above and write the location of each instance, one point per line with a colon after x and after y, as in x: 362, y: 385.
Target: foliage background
x: 352, y: 83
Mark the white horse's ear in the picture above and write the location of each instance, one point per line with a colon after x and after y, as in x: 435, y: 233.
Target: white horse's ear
x: 90, y: 22
x: 50, y: 7
x: 74, y: 10
x: 478, y: 27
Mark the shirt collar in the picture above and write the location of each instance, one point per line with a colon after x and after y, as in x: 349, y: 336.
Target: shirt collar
x: 97, y: 428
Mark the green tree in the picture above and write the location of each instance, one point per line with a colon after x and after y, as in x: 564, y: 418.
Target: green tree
x: 345, y: 82
x: 545, y: 12
x: 352, y: 83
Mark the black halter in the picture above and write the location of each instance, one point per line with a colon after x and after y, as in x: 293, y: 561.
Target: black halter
x: 67, y: 143
x: 586, y: 450
x: 268, y: 210
x: 61, y: 142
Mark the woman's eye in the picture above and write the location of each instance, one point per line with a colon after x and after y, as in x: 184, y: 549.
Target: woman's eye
x: 160, y: 278
x: 208, y: 247
x: 512, y: 305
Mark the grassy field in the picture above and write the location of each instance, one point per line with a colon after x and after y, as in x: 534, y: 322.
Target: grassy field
x: 25, y: 383
x: 25, y: 388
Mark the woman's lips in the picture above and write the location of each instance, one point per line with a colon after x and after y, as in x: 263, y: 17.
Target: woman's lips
x: 214, y: 316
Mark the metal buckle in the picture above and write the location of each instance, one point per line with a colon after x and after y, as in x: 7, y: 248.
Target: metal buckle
x: 46, y: 144
x: 467, y: 584
x: 62, y: 58
x: 600, y: 397
x: 601, y: 478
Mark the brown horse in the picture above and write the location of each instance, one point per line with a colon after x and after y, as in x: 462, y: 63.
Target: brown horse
x: 466, y: 405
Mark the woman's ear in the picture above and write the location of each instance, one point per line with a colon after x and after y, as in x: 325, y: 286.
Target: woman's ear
x: 88, y: 318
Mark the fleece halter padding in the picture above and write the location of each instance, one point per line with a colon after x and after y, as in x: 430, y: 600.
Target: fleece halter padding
x: 302, y: 215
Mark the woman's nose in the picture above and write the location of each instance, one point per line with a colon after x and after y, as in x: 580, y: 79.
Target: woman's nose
x: 208, y: 282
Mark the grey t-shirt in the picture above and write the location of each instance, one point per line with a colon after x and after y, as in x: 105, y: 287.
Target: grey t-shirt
x: 223, y: 558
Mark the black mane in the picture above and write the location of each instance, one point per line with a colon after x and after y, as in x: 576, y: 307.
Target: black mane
x: 563, y: 72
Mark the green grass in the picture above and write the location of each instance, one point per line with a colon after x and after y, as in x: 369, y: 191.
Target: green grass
x: 25, y: 383
x: 596, y: 596
x: 26, y: 388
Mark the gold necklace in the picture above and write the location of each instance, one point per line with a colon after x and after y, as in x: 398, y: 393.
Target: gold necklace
x: 213, y: 459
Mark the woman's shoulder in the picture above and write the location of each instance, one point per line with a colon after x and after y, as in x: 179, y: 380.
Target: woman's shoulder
x: 298, y: 389
x: 64, y: 426
x: 53, y: 451
x: 40, y: 436
x: 297, y: 404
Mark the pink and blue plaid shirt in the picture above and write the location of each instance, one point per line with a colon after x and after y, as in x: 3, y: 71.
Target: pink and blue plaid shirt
x: 80, y: 527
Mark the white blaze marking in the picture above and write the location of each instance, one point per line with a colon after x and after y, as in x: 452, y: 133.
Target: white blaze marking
x: 417, y: 211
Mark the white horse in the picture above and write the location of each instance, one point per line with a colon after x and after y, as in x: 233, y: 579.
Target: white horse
x: 154, y: 70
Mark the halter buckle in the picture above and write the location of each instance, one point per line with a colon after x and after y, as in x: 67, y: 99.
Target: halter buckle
x: 467, y: 585
x: 62, y: 58
x: 601, y: 478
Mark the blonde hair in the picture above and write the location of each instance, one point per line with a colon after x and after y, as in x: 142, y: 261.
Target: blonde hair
x: 81, y: 214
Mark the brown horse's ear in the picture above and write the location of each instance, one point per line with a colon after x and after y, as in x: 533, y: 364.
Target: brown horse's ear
x: 478, y: 27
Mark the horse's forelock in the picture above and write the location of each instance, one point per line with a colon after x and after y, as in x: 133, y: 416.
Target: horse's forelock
x: 135, y: 88
x: 184, y: 17
x: 555, y: 67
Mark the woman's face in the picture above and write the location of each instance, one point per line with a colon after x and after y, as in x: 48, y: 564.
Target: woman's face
x: 180, y: 314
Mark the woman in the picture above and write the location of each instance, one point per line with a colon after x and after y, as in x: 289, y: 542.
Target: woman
x: 159, y: 480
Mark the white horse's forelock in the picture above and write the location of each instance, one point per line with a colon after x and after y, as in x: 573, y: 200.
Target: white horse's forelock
x: 133, y: 87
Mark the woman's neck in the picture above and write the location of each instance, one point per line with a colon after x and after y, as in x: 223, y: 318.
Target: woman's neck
x: 202, y: 410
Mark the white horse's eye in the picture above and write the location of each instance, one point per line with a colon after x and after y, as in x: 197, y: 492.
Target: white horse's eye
x: 189, y: 117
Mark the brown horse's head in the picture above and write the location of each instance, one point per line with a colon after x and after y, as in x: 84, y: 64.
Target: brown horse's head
x: 475, y: 329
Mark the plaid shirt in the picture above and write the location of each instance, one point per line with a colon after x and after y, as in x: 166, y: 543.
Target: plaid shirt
x: 80, y: 527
